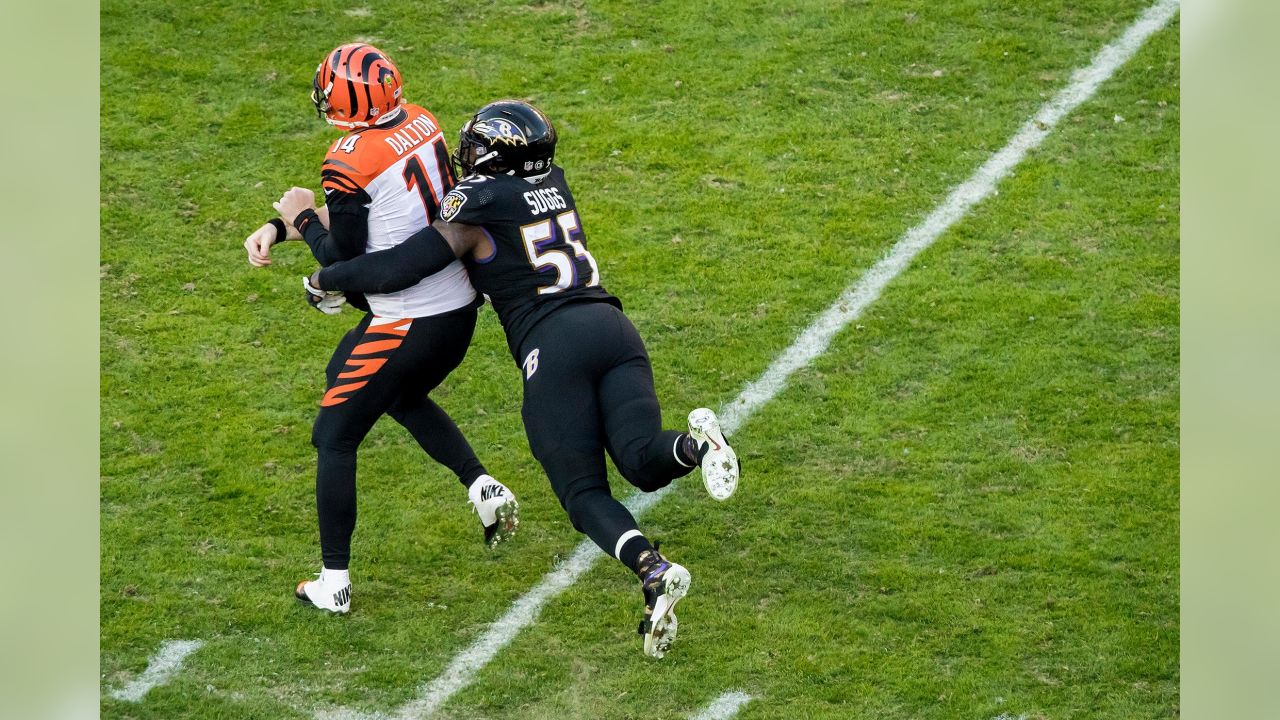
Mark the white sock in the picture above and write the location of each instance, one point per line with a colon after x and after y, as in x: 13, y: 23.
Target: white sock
x: 341, y: 578
x: 625, y: 538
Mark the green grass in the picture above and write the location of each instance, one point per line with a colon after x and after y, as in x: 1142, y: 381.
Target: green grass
x: 966, y: 508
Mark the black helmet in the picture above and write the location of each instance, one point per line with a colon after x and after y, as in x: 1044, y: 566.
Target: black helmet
x: 507, y: 136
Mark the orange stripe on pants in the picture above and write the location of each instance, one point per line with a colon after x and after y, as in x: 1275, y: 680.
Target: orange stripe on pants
x: 363, y: 367
x: 374, y: 346
x: 334, y: 396
x: 392, y: 327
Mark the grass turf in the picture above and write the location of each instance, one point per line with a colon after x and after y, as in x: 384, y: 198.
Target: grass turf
x: 966, y: 508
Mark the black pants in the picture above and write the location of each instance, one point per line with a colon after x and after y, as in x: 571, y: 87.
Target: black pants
x: 588, y: 390
x: 385, y: 365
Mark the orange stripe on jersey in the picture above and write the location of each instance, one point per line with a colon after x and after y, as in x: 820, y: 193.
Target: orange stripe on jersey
x: 333, y: 180
x: 370, y: 348
x: 365, y: 154
x: 335, y: 394
x: 363, y: 367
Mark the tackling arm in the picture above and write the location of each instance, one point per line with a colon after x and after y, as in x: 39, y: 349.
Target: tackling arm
x: 421, y: 255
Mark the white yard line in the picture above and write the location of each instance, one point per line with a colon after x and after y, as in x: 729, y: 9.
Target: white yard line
x: 724, y: 707
x: 164, y: 664
x: 815, y: 339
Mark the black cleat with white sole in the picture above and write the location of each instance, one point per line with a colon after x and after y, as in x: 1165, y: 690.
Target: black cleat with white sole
x: 664, y: 584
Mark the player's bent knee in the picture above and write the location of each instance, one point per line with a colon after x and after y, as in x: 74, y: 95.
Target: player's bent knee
x: 645, y: 480
x: 646, y: 475
x: 329, y: 436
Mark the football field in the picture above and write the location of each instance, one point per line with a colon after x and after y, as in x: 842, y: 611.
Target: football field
x: 960, y: 491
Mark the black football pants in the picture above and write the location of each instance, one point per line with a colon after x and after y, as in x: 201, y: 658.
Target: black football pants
x: 385, y: 365
x: 588, y: 390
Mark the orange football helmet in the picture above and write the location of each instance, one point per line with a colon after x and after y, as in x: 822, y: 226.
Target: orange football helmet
x: 356, y: 86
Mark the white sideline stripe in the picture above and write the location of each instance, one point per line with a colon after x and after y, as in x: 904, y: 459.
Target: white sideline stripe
x: 164, y: 664
x: 724, y: 707
x: 813, y: 341
x: 817, y: 337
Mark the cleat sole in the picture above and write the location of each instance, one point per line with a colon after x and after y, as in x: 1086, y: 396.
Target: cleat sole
x: 508, y: 522
x: 662, y: 633
x: 720, y: 469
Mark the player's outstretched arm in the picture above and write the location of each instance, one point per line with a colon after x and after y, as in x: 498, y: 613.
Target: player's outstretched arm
x: 258, y: 244
x: 422, y: 254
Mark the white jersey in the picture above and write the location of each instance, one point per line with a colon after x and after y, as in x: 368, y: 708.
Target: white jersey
x: 404, y: 170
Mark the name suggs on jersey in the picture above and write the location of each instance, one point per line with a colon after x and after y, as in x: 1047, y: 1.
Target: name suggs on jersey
x: 544, y: 200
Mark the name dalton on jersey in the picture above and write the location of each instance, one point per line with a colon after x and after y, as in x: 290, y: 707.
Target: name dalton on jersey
x: 412, y: 134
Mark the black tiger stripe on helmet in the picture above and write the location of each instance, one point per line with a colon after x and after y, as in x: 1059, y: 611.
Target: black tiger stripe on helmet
x: 356, y: 86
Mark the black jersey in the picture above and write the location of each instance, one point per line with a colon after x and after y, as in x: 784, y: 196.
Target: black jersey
x: 539, y: 259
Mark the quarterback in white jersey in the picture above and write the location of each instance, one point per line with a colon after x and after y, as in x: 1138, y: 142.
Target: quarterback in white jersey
x: 383, y: 180
x: 389, y: 180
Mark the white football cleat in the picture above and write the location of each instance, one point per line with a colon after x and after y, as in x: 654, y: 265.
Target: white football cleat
x: 719, y: 461
x: 664, y: 585
x: 497, y: 507
x: 327, y: 592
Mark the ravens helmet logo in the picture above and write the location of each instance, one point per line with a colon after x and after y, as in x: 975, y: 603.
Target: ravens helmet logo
x: 501, y: 132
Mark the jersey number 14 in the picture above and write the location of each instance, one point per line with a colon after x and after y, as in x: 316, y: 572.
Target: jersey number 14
x: 416, y: 178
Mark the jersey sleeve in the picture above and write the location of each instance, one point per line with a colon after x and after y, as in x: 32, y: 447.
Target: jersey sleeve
x: 344, y: 194
x: 470, y: 202
x: 338, y: 176
x: 350, y: 166
x: 348, y: 229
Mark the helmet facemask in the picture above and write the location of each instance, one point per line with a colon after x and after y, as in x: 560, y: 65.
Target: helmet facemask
x: 471, y: 153
x: 320, y: 96
x: 464, y: 155
x: 506, y: 137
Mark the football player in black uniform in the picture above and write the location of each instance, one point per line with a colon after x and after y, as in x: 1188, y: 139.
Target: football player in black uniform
x: 588, y: 384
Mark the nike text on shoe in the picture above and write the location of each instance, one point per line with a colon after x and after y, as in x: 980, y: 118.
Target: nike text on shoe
x: 498, y: 510
x: 664, y: 585
x: 719, y: 461
x: 325, y: 592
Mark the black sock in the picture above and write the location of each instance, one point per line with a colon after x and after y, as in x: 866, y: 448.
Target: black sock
x: 690, y: 453
x: 635, y: 552
x: 469, y: 478
x: 606, y: 521
x: 336, y: 505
